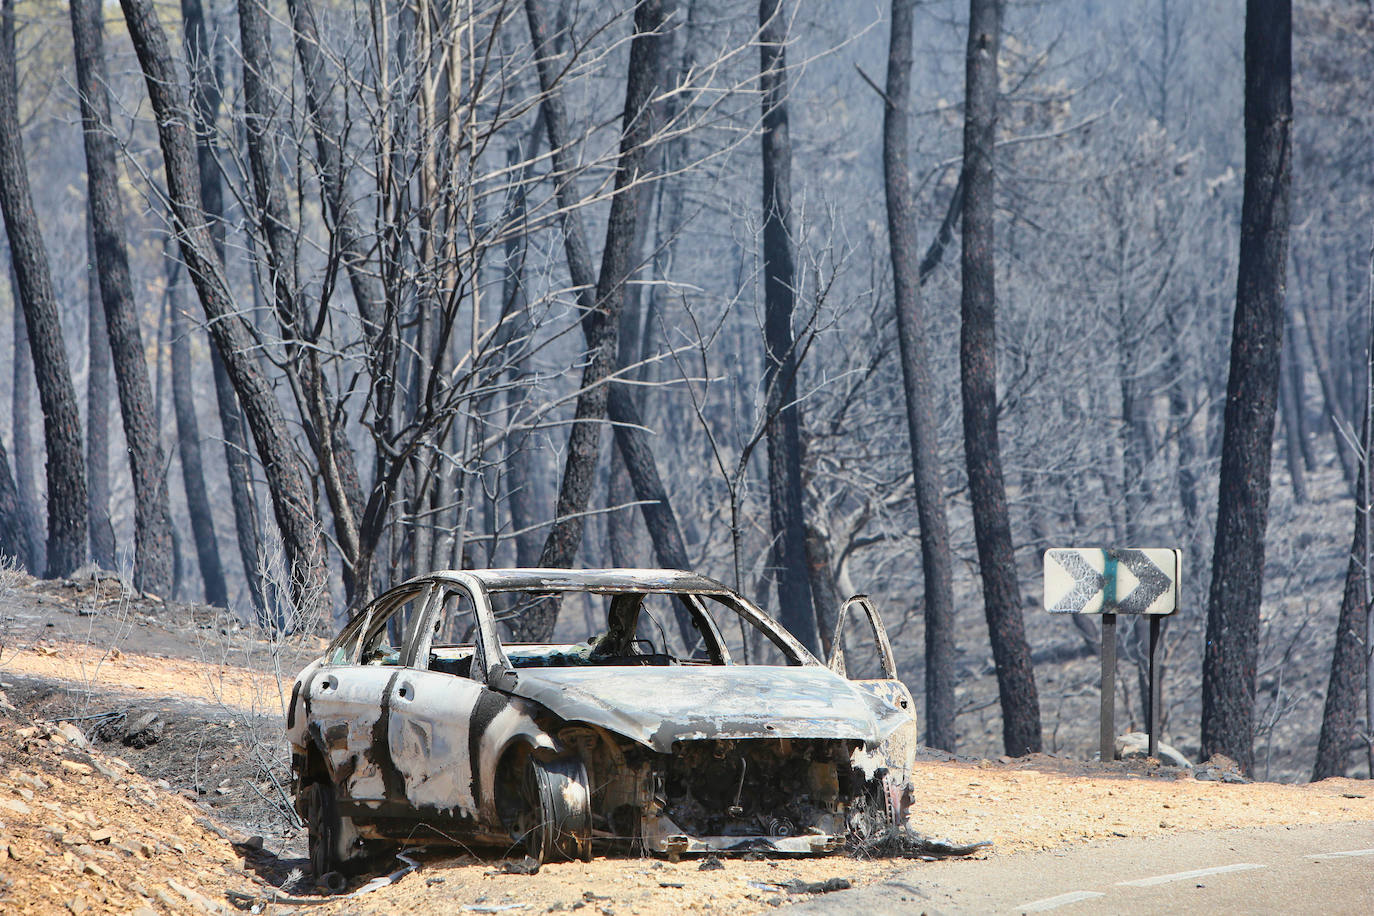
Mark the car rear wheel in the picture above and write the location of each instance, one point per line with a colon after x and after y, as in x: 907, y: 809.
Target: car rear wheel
x: 333, y: 839
x: 558, y: 819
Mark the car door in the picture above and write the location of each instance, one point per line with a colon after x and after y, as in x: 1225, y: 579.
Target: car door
x: 345, y: 696
x: 898, y: 749
x: 429, y: 712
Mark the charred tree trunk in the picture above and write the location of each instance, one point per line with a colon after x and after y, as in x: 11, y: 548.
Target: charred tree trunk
x: 659, y: 518
x: 188, y: 445
x: 13, y: 547
x: 978, y: 386
x: 623, y: 531
x: 206, y: 93
x: 286, y: 481
x: 329, y: 134
x: 97, y: 415
x: 1292, y: 424
x: 520, y: 481
x: 61, y: 420
x: 629, y: 437
x: 368, y: 294
x: 599, y: 319
x: 600, y: 298
x: 1335, y: 412
x: 23, y: 443
x: 918, y: 387
x: 1135, y: 449
x: 1341, y: 714
x: 825, y: 590
x: 332, y: 450
x: 1180, y: 422
x: 152, y: 516
x: 1352, y: 661
x: 1233, y: 605
x: 780, y: 355
x: 1293, y: 359
x: 238, y: 460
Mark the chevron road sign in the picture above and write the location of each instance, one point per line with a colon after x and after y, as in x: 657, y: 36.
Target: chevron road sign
x: 1112, y: 581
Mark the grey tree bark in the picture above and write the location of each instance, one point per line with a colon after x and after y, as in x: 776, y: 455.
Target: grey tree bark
x: 918, y: 388
x: 13, y: 545
x: 206, y: 93
x: 600, y: 297
x: 601, y: 335
x: 978, y: 386
x: 1180, y: 422
x: 328, y: 132
x: 329, y: 442
x: 188, y: 446
x: 97, y: 415
x: 22, y: 391
x: 1233, y: 604
x: 1292, y: 424
x: 1293, y: 359
x: 290, y: 492
x: 152, y: 515
x: 1340, y: 713
x: 786, y: 510
x: 61, y: 420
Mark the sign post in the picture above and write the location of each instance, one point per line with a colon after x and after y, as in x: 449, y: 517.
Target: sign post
x: 1112, y: 581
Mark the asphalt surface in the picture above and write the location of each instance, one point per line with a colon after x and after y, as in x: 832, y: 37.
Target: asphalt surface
x: 1327, y: 869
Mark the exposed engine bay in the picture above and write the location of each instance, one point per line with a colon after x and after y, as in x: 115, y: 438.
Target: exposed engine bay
x: 776, y: 794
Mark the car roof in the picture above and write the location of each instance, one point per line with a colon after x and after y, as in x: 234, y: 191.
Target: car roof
x: 610, y: 580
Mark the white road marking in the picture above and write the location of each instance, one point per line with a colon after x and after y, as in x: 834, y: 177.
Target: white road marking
x: 1049, y: 903
x: 1185, y: 875
x: 1349, y: 854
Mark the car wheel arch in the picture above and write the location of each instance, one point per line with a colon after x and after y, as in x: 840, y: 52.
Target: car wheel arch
x: 515, y: 729
x: 315, y: 766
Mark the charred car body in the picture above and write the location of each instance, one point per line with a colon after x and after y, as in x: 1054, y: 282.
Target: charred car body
x: 689, y: 721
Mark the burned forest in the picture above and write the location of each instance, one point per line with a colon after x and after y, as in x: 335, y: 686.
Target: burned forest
x: 301, y: 300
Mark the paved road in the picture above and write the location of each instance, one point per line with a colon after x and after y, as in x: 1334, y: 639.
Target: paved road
x: 1310, y: 869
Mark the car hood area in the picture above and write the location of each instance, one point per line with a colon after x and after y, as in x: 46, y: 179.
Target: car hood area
x: 658, y: 706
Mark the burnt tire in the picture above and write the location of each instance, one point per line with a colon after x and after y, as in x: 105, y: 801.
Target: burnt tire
x: 558, y: 819
x: 334, y: 845
x: 878, y: 812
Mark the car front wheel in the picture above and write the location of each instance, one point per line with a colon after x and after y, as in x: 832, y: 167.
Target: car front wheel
x: 558, y: 810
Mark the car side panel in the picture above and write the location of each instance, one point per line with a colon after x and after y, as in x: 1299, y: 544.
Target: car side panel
x: 898, y: 749
x: 343, y: 711
x: 428, y: 736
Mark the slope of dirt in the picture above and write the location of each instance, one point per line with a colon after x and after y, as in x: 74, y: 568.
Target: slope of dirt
x: 85, y: 833
x: 127, y: 827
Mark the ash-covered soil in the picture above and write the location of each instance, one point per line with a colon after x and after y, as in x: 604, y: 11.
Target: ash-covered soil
x: 178, y: 804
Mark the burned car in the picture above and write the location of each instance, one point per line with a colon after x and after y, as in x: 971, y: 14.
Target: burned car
x: 668, y: 715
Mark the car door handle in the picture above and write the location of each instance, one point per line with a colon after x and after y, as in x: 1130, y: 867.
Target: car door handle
x: 328, y: 683
x: 405, y: 691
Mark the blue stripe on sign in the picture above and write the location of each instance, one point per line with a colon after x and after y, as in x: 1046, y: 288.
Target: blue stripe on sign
x: 1109, y: 582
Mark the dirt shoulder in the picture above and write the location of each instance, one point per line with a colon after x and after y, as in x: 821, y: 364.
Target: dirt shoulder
x: 1037, y: 803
